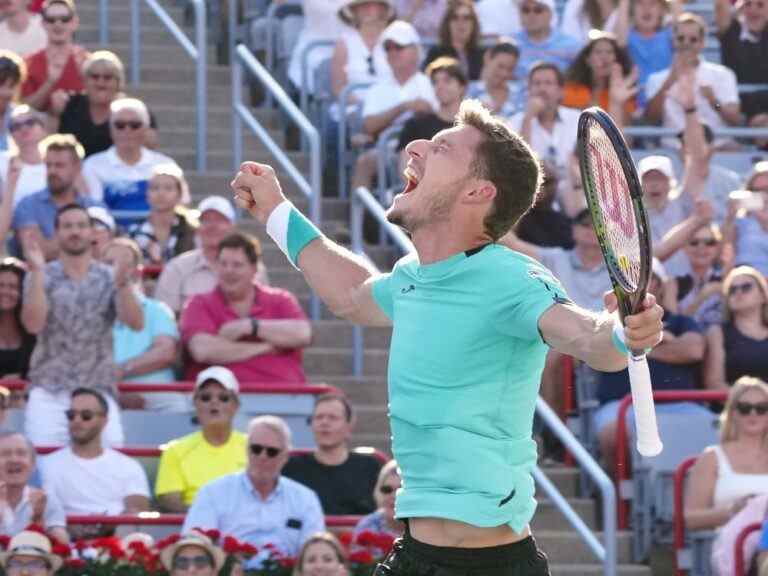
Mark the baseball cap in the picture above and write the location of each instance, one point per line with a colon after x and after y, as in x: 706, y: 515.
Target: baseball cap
x: 401, y: 33
x: 223, y: 376
x: 101, y: 215
x: 659, y: 163
x: 548, y: 3
x: 217, y: 204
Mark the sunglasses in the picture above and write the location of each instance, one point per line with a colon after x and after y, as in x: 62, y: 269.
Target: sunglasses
x: 533, y: 10
x: 85, y: 415
x: 392, y: 47
x: 702, y: 242
x: 122, y: 125
x: 61, y: 19
x: 743, y: 288
x: 746, y: 408
x: 387, y: 490
x: 206, y: 397
x: 371, y: 67
x: 186, y: 562
x: 683, y: 39
x: 19, y: 124
x: 272, y: 452
x: 14, y: 565
x: 96, y: 76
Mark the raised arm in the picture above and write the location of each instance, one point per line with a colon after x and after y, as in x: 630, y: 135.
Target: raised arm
x: 34, y: 309
x: 343, y: 280
x: 723, y: 16
x: 679, y: 234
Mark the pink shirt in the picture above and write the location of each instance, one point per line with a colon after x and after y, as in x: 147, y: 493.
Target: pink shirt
x: 207, y: 312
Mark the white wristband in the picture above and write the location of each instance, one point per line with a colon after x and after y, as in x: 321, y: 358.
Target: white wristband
x: 277, y: 225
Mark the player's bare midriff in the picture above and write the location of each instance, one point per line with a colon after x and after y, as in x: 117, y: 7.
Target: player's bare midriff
x: 454, y: 534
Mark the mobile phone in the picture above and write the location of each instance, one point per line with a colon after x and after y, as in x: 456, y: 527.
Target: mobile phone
x: 748, y: 200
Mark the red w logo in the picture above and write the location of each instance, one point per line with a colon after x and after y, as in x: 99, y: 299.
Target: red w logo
x: 614, y: 196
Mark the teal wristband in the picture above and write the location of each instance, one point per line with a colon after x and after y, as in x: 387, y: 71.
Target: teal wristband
x: 617, y: 337
x: 291, y: 230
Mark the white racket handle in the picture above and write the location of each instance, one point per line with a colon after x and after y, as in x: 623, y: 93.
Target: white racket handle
x: 647, y: 431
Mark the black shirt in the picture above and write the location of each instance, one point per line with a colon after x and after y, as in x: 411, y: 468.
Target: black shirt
x: 343, y: 489
x: 474, y: 64
x: 16, y: 360
x: 546, y: 227
x: 749, y: 60
x: 421, y: 126
x: 744, y: 356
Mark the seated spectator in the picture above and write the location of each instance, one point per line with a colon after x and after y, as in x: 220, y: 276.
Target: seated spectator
x: 254, y: 330
x: 383, y: 520
x: 23, y: 504
x: 147, y: 355
x: 343, y: 480
x: 740, y: 346
x: 217, y: 449
x: 194, y: 272
x: 742, y: 29
x: 602, y: 74
x: 424, y: 15
x: 745, y: 224
x: 35, y: 217
x: 168, y: 230
x: 119, y: 176
x: 13, y: 73
x: 21, y: 31
x: 70, y: 304
x: 16, y: 344
x: 58, y: 66
x: 194, y: 550
x: 27, y: 128
x: 543, y: 225
x: 103, y: 230
x: 321, y: 555
x: 580, y: 17
x: 86, y: 477
x: 498, y: 89
x: 716, y: 97
x: 540, y: 39
x: 29, y: 552
x: 259, y: 505
x: 459, y: 37
x: 727, y: 475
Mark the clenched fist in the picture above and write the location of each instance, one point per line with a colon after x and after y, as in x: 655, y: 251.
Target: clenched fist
x: 257, y: 189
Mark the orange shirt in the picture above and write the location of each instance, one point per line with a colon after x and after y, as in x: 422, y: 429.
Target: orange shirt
x: 580, y: 96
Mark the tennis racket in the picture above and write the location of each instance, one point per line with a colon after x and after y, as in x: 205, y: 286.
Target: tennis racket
x: 614, y: 197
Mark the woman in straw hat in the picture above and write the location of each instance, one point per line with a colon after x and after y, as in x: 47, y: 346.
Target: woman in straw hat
x: 194, y: 554
x: 30, y: 553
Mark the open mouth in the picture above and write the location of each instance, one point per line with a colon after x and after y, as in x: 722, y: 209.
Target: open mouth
x: 411, y: 180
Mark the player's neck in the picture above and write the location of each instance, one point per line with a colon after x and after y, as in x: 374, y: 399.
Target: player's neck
x: 440, y: 241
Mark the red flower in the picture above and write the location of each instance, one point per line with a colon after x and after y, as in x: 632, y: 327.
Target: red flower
x: 61, y: 549
x: 361, y: 557
x: 213, y: 534
x: 287, y: 562
x: 76, y: 563
x: 249, y: 550
x: 4, y: 541
x: 345, y: 538
x: 230, y: 545
x: 168, y: 541
x: 81, y: 545
x: 139, y: 548
x: 366, y: 538
x: 36, y: 528
x: 384, y: 541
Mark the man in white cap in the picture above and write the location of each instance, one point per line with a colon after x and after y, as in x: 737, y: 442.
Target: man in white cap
x: 103, y: 229
x: 30, y: 553
x: 189, y: 463
x: 194, y: 272
x: 540, y: 39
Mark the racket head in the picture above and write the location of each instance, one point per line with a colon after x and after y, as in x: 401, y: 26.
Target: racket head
x: 615, y: 201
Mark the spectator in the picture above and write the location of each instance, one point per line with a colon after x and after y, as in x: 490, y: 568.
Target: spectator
x: 217, y: 449
x: 674, y: 365
x: 743, y: 33
x: 27, y: 128
x: 259, y: 505
x: 58, y: 65
x: 343, y: 480
x: 30, y: 553
x: 35, y: 216
x: 147, y: 355
x: 727, y: 475
x: 119, y: 176
x: 424, y: 15
x: 16, y: 343
x: 540, y: 38
x: 383, y: 520
x: 580, y: 17
x: 602, y: 74
x: 497, y: 18
x: 21, y: 31
x: 716, y: 97
x: 86, y: 477
x: 499, y: 90
x: 70, y: 304
x: 13, y: 73
x: 740, y: 346
x: 194, y: 550
x: 745, y: 224
x: 459, y: 37
x: 543, y: 225
x: 103, y: 230
x: 254, y: 330
x: 321, y: 555
x: 23, y: 504
x: 168, y: 230
x: 194, y: 272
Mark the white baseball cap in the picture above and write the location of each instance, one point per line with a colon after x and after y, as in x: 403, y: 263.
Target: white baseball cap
x: 223, y: 376
x: 102, y: 216
x: 218, y: 204
x: 659, y: 163
x: 401, y: 33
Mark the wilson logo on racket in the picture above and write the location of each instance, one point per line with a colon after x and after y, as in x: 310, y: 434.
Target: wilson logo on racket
x: 614, y: 196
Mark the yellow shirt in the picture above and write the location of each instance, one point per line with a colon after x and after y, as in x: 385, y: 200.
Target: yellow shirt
x: 189, y: 463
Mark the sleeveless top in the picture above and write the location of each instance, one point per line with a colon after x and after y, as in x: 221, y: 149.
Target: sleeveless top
x: 364, y: 65
x: 730, y: 485
x: 744, y: 356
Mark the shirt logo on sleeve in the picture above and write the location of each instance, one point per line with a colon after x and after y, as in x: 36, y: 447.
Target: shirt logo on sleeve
x: 409, y: 288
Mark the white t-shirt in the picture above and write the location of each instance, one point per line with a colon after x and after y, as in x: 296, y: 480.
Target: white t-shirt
x: 389, y: 93
x: 32, y: 177
x: 562, y: 139
x: 498, y: 17
x: 576, y: 24
x: 32, y: 40
x: 93, y: 486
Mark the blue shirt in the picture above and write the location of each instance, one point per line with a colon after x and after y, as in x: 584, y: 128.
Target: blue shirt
x: 38, y: 209
x: 751, y: 243
x: 650, y: 54
x: 286, y: 519
x: 764, y: 538
x: 515, y: 97
x: 559, y: 48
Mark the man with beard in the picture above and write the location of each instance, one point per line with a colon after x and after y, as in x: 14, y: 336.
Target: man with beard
x: 71, y: 304
x: 33, y: 219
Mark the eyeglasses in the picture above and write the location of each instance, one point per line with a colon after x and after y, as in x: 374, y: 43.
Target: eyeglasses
x: 186, y: 562
x: 533, y: 10
x: 386, y: 490
x: 85, y: 415
x: 683, y: 39
x: 19, y: 124
x: 702, y: 242
x: 743, y: 288
x: 133, y: 125
x: 746, y: 408
x: 61, y: 19
x: 107, y: 76
x: 271, y: 451
x: 15, y: 565
x: 206, y: 397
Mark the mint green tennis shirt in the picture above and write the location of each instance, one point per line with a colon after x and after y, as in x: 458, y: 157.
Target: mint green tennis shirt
x: 465, y: 364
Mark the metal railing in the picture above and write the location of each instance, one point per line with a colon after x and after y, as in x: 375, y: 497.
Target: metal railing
x: 304, y: 88
x: 197, y: 51
x: 343, y: 102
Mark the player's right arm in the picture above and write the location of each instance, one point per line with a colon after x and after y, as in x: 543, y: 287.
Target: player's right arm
x: 342, y: 279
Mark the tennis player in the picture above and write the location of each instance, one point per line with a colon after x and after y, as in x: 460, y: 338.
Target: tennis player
x: 472, y: 322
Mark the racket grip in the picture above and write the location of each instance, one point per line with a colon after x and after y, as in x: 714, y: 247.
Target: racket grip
x: 648, y: 441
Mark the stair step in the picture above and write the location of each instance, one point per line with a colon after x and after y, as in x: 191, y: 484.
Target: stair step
x: 597, y: 570
x: 563, y: 547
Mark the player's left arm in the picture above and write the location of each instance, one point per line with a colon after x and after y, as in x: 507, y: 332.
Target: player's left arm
x: 589, y: 336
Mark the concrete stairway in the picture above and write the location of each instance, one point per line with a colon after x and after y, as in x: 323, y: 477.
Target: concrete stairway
x: 167, y: 86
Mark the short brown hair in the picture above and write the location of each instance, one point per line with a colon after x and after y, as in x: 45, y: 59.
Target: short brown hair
x: 551, y: 66
x: 12, y: 67
x: 335, y: 397
x: 62, y: 143
x: 450, y: 66
x: 242, y: 241
x: 130, y: 244
x: 503, y: 158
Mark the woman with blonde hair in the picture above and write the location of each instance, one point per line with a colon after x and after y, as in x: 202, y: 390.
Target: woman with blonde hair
x: 321, y: 555
x: 383, y: 520
x: 740, y: 346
